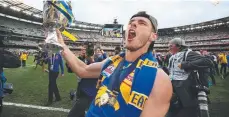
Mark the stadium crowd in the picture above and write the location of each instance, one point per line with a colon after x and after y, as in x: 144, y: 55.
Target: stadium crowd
x: 169, y: 49
x: 213, y: 34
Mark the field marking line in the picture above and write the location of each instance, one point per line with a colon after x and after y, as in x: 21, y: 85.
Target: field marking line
x: 28, y: 65
x: 36, y: 107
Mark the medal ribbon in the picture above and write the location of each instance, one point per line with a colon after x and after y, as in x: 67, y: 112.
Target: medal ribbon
x: 53, y: 59
x: 117, y: 77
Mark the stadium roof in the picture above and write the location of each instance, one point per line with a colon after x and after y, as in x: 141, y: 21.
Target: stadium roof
x: 217, y: 22
x: 208, y: 24
x: 23, y: 11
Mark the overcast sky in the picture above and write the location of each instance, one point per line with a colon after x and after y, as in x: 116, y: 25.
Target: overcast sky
x: 169, y: 13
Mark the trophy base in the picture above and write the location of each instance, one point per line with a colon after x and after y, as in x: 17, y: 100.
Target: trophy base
x: 51, y: 47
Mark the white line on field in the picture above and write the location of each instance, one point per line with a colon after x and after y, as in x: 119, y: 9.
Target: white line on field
x: 36, y: 107
x: 29, y: 65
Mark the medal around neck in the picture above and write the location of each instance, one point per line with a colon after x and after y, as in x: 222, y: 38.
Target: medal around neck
x: 104, y: 99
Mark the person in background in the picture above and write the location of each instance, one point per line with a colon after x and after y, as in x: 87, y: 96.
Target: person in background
x: 7, y: 60
x: 223, y: 62
x: 86, y: 90
x: 227, y: 66
x: 44, y: 60
x: 83, y: 58
x: 23, y: 57
x: 2, y: 79
x: 117, y: 50
x: 227, y: 59
x: 154, y: 53
x: 159, y: 59
x: 100, y: 55
x: 182, y: 65
x: 211, y: 70
x: 167, y: 56
x: 54, y: 63
x: 215, y: 63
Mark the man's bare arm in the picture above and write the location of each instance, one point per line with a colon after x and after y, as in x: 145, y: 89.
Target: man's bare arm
x: 79, y: 67
x: 158, y: 102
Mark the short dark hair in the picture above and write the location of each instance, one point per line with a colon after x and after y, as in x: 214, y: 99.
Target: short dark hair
x: 149, y: 17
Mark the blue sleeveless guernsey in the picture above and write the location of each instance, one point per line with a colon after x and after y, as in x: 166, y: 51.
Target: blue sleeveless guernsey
x: 134, y: 89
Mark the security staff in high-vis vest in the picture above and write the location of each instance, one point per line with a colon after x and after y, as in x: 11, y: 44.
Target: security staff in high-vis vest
x: 130, y: 84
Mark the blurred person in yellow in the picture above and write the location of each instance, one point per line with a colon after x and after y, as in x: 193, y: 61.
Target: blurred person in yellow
x: 23, y: 57
x: 223, y: 62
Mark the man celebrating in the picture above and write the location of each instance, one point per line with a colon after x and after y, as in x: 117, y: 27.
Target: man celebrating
x: 130, y: 84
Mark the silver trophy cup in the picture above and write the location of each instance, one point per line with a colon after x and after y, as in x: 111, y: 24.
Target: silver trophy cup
x: 52, y: 20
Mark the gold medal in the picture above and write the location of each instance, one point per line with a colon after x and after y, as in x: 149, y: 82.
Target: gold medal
x: 112, y: 101
x: 104, y: 99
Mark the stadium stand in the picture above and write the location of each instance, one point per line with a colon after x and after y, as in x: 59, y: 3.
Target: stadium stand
x: 27, y: 32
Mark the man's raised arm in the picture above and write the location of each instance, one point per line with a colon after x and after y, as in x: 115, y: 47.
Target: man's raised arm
x: 77, y: 66
x: 158, y: 102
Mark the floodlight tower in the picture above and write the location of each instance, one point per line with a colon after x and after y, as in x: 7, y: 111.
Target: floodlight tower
x: 115, y: 21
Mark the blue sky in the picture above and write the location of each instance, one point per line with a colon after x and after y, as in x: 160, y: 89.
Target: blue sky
x: 169, y: 13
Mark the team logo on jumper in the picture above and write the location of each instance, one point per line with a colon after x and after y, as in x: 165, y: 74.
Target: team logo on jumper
x: 109, y: 70
x: 106, y: 97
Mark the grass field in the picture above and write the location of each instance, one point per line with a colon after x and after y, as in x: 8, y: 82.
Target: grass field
x: 30, y: 87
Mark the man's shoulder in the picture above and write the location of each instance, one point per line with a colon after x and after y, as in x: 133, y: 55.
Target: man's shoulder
x: 162, y: 89
x: 162, y: 81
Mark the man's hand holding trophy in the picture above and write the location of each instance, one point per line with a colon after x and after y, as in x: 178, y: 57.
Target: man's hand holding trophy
x: 57, y: 15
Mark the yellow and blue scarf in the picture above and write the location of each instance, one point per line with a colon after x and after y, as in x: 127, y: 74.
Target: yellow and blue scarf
x: 66, y: 10
x: 130, y: 100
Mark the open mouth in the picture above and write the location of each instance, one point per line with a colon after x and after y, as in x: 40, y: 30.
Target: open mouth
x: 131, y: 34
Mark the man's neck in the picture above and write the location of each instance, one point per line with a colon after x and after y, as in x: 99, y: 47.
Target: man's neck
x: 131, y: 56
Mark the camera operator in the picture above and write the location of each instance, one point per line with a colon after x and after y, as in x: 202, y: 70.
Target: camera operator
x: 86, y: 90
x: 7, y: 60
x: 41, y: 59
x: 182, y: 65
